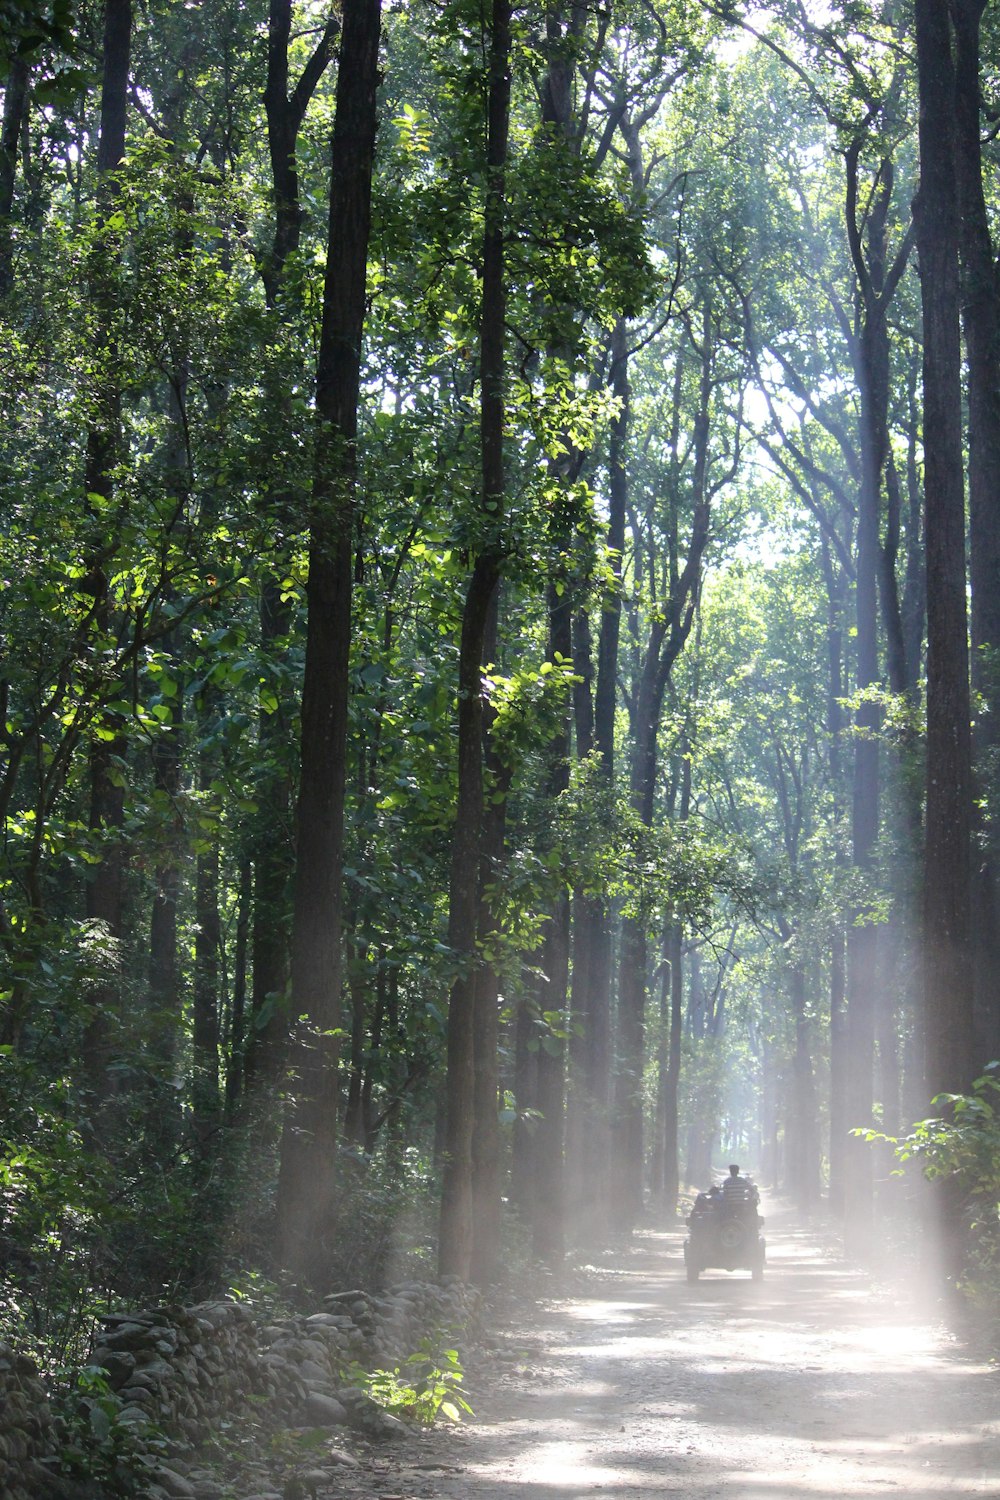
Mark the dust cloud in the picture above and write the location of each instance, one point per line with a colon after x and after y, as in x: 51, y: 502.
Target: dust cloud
x: 817, y: 1384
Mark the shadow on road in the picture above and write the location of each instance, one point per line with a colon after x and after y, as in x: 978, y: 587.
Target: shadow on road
x: 813, y: 1385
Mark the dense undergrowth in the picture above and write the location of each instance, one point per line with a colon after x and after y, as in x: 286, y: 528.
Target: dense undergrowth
x: 94, y: 1222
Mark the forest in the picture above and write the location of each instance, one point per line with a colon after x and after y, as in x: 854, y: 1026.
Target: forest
x: 500, y: 634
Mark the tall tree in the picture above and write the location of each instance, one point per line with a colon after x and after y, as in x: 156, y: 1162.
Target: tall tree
x: 946, y: 928
x: 980, y: 296
x: 307, y: 1180
x: 105, y: 886
x: 455, y: 1247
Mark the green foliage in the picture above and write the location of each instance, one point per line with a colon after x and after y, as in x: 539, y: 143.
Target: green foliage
x: 97, y: 1447
x: 55, y: 1205
x: 962, y: 1144
x: 424, y: 1388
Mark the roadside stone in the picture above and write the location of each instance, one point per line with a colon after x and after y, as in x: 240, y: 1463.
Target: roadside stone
x: 342, y: 1458
x: 325, y: 1411
x: 187, y: 1375
x: 175, y: 1484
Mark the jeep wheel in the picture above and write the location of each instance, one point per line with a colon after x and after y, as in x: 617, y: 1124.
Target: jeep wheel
x: 731, y: 1236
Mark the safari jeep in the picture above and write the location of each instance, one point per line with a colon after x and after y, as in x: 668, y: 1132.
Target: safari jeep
x: 724, y: 1232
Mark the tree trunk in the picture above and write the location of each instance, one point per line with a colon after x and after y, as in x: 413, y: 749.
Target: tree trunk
x: 107, y: 803
x: 487, y: 1149
x: 285, y: 109
x: 205, y: 1100
x: 455, y: 1245
x: 838, y: 939
x: 273, y: 865
x: 981, y: 321
x: 838, y: 1067
x: 549, y: 1202
x: 803, y: 1145
x: 235, y: 1041
x: 672, y: 1083
x: 946, y: 926
x: 862, y: 940
x: 164, y: 999
x: 307, y: 1177
x: 592, y: 953
x: 15, y: 109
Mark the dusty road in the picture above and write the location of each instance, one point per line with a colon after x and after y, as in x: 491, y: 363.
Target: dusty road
x: 812, y: 1385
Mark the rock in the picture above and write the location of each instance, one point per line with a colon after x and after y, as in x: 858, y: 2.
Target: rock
x: 151, y: 1374
x: 133, y: 1416
x: 385, y: 1425
x: 315, y: 1479
x: 207, y: 1489
x: 175, y: 1484
x: 127, y: 1336
x: 324, y: 1411
x: 342, y: 1458
x: 140, y: 1395
x: 117, y: 1364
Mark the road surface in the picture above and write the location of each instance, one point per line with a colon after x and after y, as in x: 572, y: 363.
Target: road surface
x: 816, y: 1384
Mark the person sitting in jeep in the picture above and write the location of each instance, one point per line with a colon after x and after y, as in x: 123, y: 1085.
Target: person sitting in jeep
x: 743, y: 1185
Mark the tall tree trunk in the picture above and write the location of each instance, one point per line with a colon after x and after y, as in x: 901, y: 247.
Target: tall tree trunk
x: 946, y: 931
x: 981, y: 322
x: 487, y: 1146
x: 838, y: 1066
x: 549, y: 1201
x: 164, y: 999
x: 525, y: 1090
x: 839, y: 1124
x: 107, y: 804
x: 593, y: 937
x: 455, y: 1246
x: 803, y: 1147
x: 872, y: 368
x: 285, y: 108
x: 15, y: 109
x: 235, y: 1041
x: 580, y: 1111
x: 627, y: 1135
x: 456, y: 1241
x: 307, y: 1178
x: 205, y: 1099
x: 672, y: 1082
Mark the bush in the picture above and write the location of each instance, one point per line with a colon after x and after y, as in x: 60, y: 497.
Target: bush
x: 962, y: 1145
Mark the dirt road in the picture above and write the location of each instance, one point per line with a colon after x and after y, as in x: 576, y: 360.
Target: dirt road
x: 813, y: 1385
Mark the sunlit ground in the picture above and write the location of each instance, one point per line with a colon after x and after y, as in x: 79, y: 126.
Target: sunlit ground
x: 814, y: 1384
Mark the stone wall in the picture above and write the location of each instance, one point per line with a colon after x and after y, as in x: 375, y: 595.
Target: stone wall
x: 177, y: 1373
x: 27, y: 1435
